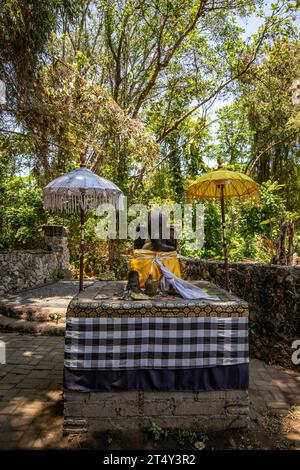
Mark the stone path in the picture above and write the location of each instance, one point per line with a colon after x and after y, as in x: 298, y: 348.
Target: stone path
x: 31, y: 393
x: 39, y: 310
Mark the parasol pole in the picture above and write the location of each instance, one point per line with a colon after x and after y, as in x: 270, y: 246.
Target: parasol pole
x: 78, y: 191
x: 81, y: 253
x: 81, y: 249
x: 224, y: 238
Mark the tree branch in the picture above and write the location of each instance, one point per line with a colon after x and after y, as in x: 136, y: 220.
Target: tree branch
x: 216, y: 91
x: 161, y: 64
x: 254, y: 160
x: 204, y: 101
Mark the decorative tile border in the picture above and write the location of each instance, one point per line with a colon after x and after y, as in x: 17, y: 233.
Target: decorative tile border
x: 228, y: 306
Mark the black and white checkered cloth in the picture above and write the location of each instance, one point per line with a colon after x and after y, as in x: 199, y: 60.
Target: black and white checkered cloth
x: 155, y: 342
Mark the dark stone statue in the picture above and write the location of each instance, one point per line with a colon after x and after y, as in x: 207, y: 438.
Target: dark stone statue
x: 133, y: 281
x: 160, y: 243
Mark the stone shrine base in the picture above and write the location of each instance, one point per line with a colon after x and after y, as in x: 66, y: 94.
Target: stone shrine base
x: 124, y: 410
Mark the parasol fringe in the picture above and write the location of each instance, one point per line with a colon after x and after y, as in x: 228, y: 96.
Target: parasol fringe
x: 80, y: 189
x: 71, y: 203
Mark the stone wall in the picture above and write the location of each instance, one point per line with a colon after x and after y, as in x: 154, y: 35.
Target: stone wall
x: 130, y: 410
x: 273, y: 294
x: 24, y: 269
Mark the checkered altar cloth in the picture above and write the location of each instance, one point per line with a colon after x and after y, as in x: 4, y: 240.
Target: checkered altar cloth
x: 120, y: 343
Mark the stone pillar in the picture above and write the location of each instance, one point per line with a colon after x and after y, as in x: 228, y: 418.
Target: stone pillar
x: 56, y: 240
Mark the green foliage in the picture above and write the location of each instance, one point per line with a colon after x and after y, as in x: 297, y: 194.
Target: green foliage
x: 271, y: 422
x: 25, y: 28
x: 187, y: 437
x: 261, y: 218
x: 256, y: 226
x: 96, y: 69
x: 272, y: 118
x: 59, y: 274
x: 21, y: 213
x: 252, y: 226
x: 127, y: 86
x: 157, y: 432
x: 55, y: 317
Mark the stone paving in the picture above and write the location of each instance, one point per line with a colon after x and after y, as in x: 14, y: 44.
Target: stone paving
x: 40, y: 310
x: 43, y: 299
x: 31, y: 393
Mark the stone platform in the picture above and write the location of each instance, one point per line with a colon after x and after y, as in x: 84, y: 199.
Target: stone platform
x: 104, y: 299
x: 91, y: 410
x: 124, y: 410
x: 39, y: 310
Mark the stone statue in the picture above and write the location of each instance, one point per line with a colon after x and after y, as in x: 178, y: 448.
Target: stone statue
x: 157, y: 244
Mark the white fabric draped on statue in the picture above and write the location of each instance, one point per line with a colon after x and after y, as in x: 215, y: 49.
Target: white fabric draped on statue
x: 186, y: 289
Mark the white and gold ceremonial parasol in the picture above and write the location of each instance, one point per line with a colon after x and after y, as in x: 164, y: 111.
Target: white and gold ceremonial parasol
x: 79, y: 191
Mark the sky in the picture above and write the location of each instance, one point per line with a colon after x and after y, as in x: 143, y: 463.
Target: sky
x: 252, y: 23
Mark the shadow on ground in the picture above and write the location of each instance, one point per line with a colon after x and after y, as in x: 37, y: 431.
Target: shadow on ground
x: 31, y: 407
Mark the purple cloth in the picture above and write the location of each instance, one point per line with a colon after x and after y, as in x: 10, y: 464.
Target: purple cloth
x: 205, y: 379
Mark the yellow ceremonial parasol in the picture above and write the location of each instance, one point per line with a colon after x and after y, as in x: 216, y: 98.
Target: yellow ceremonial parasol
x: 221, y: 184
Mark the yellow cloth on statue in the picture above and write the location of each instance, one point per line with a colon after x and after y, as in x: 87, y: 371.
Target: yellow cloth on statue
x: 144, y: 263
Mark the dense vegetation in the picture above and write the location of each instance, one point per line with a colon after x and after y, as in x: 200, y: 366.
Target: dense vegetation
x: 130, y: 87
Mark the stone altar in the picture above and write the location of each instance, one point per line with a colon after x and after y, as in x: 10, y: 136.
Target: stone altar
x: 95, y: 399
